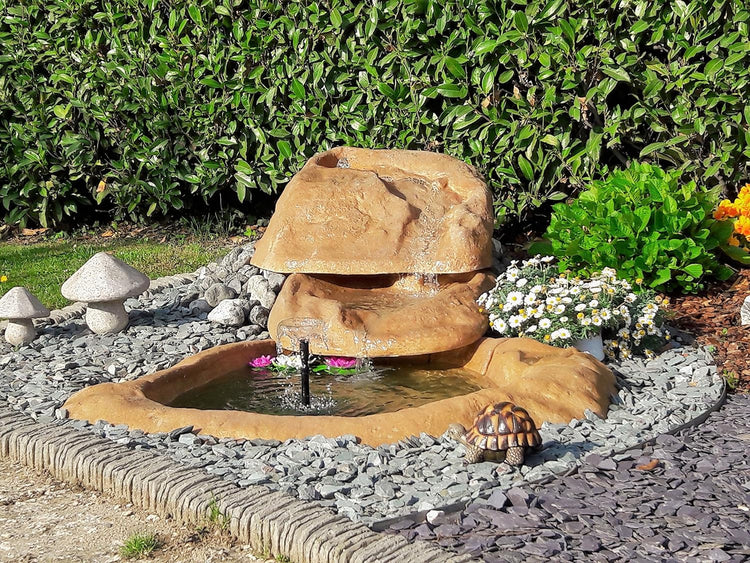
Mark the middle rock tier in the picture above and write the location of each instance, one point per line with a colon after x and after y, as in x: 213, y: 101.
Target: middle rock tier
x: 382, y: 315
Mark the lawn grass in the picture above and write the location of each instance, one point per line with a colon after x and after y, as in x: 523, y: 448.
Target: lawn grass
x: 43, y: 267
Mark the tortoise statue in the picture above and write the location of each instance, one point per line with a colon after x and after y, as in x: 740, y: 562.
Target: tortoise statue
x: 501, y: 432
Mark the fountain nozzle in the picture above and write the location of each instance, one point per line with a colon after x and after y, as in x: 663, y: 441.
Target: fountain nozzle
x: 304, y: 352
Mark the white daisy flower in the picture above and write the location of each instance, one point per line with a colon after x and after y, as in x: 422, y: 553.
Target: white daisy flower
x: 561, y: 333
x: 531, y: 329
x: 545, y: 323
x: 500, y: 326
x: 522, y: 282
x: 515, y: 298
x: 515, y: 321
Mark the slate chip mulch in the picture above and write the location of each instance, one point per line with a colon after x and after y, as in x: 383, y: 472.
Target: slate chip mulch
x: 685, y: 498
x: 713, y: 317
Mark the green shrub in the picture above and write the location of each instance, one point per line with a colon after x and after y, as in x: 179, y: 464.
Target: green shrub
x: 149, y: 107
x: 644, y: 223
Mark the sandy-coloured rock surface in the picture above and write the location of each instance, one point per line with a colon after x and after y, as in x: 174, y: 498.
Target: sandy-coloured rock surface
x: 42, y: 520
x: 362, y: 211
x: 379, y: 316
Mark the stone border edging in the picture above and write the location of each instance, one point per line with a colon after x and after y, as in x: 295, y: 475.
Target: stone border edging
x: 420, y: 516
x: 264, y: 519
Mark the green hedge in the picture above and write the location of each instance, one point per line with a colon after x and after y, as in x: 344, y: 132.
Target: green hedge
x: 149, y: 106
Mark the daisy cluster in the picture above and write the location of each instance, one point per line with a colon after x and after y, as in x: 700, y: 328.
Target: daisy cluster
x: 533, y: 300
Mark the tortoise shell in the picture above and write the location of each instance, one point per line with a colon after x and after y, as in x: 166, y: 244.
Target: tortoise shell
x: 502, y: 426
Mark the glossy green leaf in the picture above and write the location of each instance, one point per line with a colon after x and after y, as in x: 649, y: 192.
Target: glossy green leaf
x: 298, y: 89
x: 526, y: 168
x: 285, y: 149
x: 521, y: 22
x: 195, y: 14
x: 450, y: 90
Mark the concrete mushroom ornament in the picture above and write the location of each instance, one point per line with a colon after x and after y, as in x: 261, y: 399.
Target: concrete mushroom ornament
x: 104, y: 283
x: 19, y: 306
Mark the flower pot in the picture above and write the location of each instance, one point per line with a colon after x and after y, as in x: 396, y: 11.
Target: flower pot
x: 592, y: 345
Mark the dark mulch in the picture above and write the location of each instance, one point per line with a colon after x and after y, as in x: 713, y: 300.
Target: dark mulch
x: 713, y: 316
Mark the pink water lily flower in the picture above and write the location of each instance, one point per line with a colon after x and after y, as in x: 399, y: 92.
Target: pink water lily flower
x: 261, y: 362
x: 344, y: 363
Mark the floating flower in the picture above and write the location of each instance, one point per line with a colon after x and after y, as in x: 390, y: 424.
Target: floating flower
x: 261, y: 362
x: 340, y: 362
x: 289, y: 362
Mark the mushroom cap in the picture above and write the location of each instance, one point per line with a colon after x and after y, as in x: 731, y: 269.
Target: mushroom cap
x: 20, y: 303
x: 104, y: 278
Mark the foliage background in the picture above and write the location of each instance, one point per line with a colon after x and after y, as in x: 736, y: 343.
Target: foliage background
x: 145, y: 107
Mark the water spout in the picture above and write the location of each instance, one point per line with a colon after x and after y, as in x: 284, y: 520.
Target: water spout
x: 304, y: 351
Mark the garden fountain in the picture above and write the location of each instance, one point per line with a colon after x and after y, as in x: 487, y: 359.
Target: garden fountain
x: 388, y: 252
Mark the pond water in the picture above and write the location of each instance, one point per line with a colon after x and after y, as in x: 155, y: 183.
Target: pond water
x: 380, y: 389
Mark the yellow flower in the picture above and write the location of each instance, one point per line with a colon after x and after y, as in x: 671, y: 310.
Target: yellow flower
x: 3, y: 279
x: 639, y: 281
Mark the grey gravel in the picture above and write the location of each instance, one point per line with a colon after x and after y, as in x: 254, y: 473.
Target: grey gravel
x: 420, y: 473
x: 693, y: 505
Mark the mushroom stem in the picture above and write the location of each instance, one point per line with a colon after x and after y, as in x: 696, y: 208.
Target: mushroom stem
x: 20, y: 331
x: 106, y: 316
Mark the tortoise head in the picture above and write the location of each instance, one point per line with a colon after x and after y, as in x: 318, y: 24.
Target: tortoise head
x: 455, y: 432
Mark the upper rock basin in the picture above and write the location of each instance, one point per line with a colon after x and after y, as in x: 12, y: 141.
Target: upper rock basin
x: 360, y: 211
x: 377, y: 316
